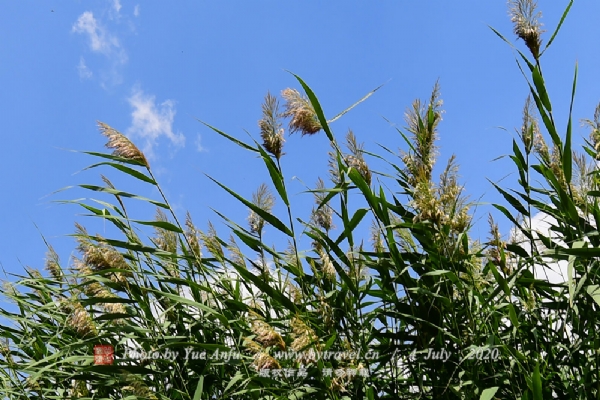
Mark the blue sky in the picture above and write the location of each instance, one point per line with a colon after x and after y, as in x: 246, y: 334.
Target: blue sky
x: 149, y: 69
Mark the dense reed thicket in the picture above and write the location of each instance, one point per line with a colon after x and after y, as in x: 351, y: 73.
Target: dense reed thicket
x: 422, y: 310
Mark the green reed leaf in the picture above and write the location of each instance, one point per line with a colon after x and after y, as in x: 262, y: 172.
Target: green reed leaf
x: 538, y: 80
x: 271, y: 219
x: 124, y: 194
x: 562, y: 20
x: 129, y: 171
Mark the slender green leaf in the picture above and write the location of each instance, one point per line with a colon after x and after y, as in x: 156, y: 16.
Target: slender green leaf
x: 123, y: 194
x: 571, y: 272
x: 540, y: 85
x: 536, y: 383
x: 234, y: 140
x: 161, y: 224
x: 275, y: 173
x: 351, y: 225
x: 512, y: 200
x: 562, y: 19
x: 317, y: 107
x: 115, y: 158
x: 271, y: 219
x: 129, y: 171
x: 567, y: 157
x: 185, y: 300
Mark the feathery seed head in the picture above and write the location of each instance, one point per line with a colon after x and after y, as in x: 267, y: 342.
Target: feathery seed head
x: 270, y: 127
x: 422, y: 122
x: 32, y: 384
x: 79, y: 319
x: 294, y: 293
x: 583, y: 180
x: 305, y: 339
x: 165, y: 239
x: 322, y: 216
x: 122, y: 146
x: 263, y: 199
x: 191, y: 234
x: 266, y: 335
x: 98, y: 256
x: 376, y: 237
x: 327, y: 267
x: 525, y: 17
x: 361, y: 166
x: 9, y: 290
x: 541, y: 148
x: 303, y: 116
x: 138, y: 387
x: 252, y: 346
x: 212, y: 243
x: 79, y: 389
x: 530, y: 128
x: 52, y: 264
x: 356, y: 159
x: 236, y: 255
x: 556, y: 166
x: 263, y: 360
x: 595, y: 130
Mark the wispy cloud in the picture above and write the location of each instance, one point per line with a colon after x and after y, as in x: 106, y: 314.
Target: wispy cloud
x: 101, y: 41
x: 198, y: 144
x: 116, y: 5
x: 136, y: 10
x: 151, y: 121
x: 82, y: 68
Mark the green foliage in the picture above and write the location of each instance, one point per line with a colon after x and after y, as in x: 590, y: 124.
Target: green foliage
x: 423, y: 284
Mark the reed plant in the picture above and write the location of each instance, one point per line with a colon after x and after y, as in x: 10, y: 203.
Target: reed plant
x: 422, y: 310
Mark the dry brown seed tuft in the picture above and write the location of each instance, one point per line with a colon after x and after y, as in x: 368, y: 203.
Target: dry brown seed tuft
x: 138, y: 387
x: 266, y: 335
x: 264, y: 361
x: 79, y: 319
x: 305, y: 341
x: 252, y: 346
x: 98, y: 256
x: 122, y: 146
x: 304, y: 117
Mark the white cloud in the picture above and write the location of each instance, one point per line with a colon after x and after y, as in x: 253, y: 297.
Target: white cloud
x: 150, y: 121
x: 136, y: 10
x: 199, y: 144
x: 101, y: 41
x: 82, y: 68
x: 117, y: 6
